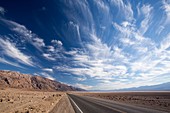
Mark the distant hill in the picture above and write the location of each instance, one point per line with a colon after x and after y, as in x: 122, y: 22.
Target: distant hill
x: 159, y: 87
x: 24, y: 81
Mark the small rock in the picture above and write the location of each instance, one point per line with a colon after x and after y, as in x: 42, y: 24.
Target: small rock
x: 8, y: 99
x: 27, y: 111
x: 11, y: 101
x: 43, y: 97
x: 17, y: 111
x: 157, y: 97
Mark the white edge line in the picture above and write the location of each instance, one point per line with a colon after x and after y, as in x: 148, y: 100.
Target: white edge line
x: 76, y: 105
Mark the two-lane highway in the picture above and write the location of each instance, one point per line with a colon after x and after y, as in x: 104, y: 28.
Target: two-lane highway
x: 84, y: 104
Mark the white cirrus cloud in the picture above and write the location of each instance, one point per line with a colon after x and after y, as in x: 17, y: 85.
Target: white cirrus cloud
x: 126, y: 23
x: 146, y: 10
x: 25, y: 34
x: 139, y: 57
x: 48, y: 56
x: 48, y: 70
x: 166, y: 7
x: 10, y: 50
x: 86, y: 87
x: 46, y: 75
x: 5, y: 61
x: 124, y: 8
x: 38, y: 42
x: 2, y: 10
x: 57, y: 42
x: 50, y: 48
x: 96, y: 61
x: 102, y: 5
x: 76, y: 27
x: 81, y: 79
x: 127, y: 54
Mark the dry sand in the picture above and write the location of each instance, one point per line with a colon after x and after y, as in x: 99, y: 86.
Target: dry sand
x: 19, y: 101
x: 155, y: 100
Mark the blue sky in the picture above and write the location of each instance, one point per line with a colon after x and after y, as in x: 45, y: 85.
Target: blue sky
x: 92, y: 44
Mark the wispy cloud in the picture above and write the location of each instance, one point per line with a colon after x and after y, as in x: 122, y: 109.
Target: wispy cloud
x: 77, y: 29
x: 146, y: 10
x: 57, y: 42
x: 96, y: 61
x: 102, y: 6
x: 2, y: 10
x: 124, y: 8
x: 114, y: 43
x: 48, y: 56
x: 165, y: 44
x: 48, y: 70
x: 38, y: 42
x: 134, y: 56
x: 166, y: 7
x: 9, y: 49
x: 48, y: 51
x: 25, y: 34
x: 54, y: 51
x: 87, y: 87
x: 81, y: 79
x: 3, y: 60
x: 46, y: 75
x: 50, y: 48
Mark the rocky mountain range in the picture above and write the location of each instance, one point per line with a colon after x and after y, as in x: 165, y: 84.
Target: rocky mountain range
x: 13, y: 79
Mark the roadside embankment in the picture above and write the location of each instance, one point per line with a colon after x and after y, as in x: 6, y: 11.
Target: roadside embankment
x: 63, y: 106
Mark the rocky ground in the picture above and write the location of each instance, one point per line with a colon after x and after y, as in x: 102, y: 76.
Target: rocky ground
x: 19, y: 101
x: 156, y: 100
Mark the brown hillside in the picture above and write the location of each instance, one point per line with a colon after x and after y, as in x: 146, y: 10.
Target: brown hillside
x: 17, y: 80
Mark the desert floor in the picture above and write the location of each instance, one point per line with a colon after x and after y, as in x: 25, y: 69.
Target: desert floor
x: 156, y: 100
x: 23, y: 101
x: 20, y: 101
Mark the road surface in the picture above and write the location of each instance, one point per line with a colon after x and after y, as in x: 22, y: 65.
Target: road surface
x: 84, y: 104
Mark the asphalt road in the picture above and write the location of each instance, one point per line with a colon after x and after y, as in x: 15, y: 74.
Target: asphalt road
x: 84, y: 104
